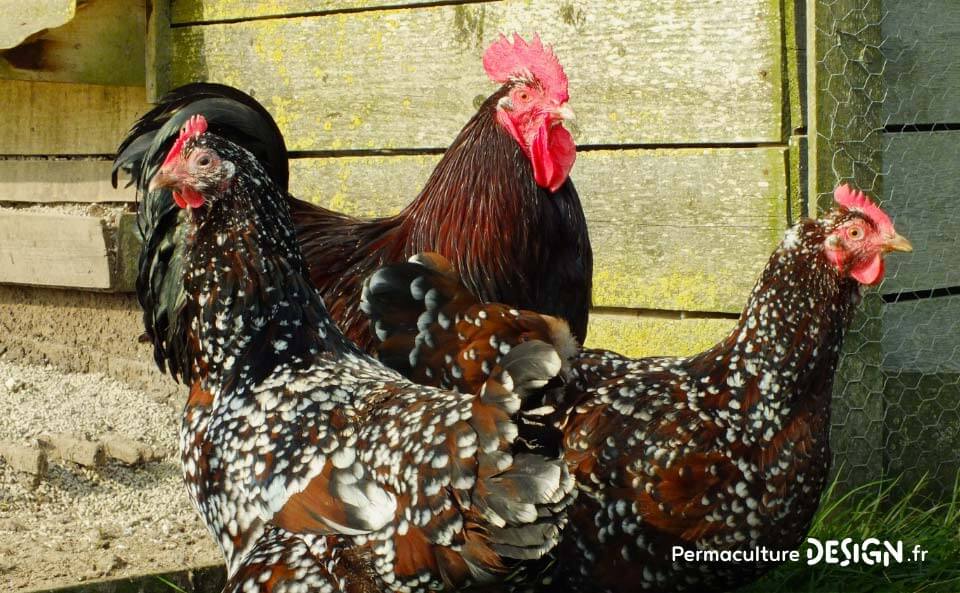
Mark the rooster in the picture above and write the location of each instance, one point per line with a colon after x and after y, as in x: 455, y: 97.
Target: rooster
x: 498, y: 204
x: 725, y: 450
x: 310, y: 461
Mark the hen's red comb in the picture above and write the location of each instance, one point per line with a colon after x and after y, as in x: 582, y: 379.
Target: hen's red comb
x: 196, y: 125
x: 504, y: 60
x: 854, y: 199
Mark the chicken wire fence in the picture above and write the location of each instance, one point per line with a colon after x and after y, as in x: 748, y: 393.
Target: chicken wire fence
x: 884, y: 83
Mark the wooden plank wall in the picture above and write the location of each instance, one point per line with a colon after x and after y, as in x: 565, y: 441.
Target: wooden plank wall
x: 921, y: 318
x: 69, y: 93
x: 684, y: 120
x: 688, y: 166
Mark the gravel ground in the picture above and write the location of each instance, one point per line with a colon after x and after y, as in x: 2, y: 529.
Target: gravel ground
x: 79, y: 523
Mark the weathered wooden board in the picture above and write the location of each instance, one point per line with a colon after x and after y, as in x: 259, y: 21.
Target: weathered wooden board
x: 795, y: 40
x: 45, y: 118
x: 637, y: 335
x: 687, y: 230
x: 923, y: 61
x: 922, y: 192
x: 362, y: 186
x: 202, y: 11
x: 53, y: 250
x: 671, y: 229
x: 23, y: 19
x: 46, y: 181
x: 102, y: 44
x: 411, y: 78
x: 922, y: 335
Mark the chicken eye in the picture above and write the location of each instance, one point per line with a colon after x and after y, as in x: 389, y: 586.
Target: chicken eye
x: 523, y: 96
x: 204, y: 160
x: 856, y: 233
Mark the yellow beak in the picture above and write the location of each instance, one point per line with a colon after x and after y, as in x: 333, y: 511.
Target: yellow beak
x: 897, y: 243
x: 163, y: 179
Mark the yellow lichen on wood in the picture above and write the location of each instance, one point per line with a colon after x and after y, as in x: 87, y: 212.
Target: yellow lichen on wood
x: 103, y: 43
x: 684, y: 230
x: 191, y: 11
x: 651, y: 336
x: 371, y: 97
x: 44, y: 118
x: 23, y: 19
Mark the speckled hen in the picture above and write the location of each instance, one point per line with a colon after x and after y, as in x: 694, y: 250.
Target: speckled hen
x: 725, y: 450
x: 315, y: 467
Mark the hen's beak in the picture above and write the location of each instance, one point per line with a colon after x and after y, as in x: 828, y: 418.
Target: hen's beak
x: 897, y: 243
x: 565, y: 113
x: 163, y: 179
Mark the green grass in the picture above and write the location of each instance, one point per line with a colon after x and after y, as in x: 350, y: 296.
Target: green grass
x: 882, y: 511
x: 171, y: 585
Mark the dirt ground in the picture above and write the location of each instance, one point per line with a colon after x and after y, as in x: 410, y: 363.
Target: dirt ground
x: 85, y: 523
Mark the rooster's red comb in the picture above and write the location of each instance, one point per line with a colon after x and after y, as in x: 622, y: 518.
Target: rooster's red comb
x: 505, y: 60
x: 854, y: 199
x: 196, y: 125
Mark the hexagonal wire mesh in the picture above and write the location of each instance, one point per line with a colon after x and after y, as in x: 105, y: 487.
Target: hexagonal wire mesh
x: 887, y: 118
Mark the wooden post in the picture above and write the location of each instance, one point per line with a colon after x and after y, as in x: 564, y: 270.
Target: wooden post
x: 845, y: 96
x: 157, y: 49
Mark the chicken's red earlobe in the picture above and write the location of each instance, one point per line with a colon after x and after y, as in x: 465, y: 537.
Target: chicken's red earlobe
x: 870, y: 272
x: 552, y: 155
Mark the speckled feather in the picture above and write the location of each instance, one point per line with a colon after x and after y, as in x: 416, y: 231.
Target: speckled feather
x: 293, y: 441
x: 728, y: 449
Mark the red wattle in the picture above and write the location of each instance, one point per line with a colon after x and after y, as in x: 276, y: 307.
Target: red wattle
x: 193, y: 198
x: 188, y: 197
x: 553, y: 153
x: 869, y: 272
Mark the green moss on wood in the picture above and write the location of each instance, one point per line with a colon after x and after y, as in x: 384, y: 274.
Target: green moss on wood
x: 128, y: 242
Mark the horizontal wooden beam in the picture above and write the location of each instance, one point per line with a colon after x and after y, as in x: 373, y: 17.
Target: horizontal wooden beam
x: 201, y: 11
x: 921, y: 193
x: 46, y: 181
x: 45, y: 118
x: 50, y: 249
x: 921, y: 70
x: 102, y: 44
x: 685, y: 230
x: 922, y: 335
x: 411, y: 78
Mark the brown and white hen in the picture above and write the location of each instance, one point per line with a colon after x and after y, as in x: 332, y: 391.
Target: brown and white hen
x: 725, y: 450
